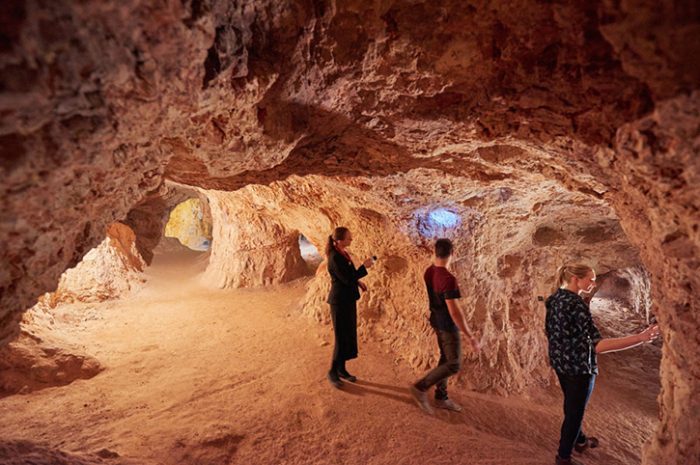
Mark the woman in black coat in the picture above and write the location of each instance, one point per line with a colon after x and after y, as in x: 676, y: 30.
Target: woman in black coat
x: 342, y: 299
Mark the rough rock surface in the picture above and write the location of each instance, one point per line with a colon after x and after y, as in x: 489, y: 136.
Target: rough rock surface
x: 658, y: 200
x: 110, y: 270
x: 99, y: 102
x: 40, y: 358
x: 501, y: 269
x: 189, y: 224
x: 250, y: 249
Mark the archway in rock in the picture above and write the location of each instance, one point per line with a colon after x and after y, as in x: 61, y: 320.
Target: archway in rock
x: 42, y: 356
x: 623, y: 299
x: 190, y: 224
x: 309, y: 252
x: 554, y: 132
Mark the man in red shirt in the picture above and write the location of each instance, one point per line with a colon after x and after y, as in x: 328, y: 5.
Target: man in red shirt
x: 447, y: 321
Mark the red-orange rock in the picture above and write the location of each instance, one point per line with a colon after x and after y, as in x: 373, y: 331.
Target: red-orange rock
x: 562, y: 123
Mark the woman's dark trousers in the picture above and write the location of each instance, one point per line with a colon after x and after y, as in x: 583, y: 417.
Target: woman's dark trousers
x: 344, y: 317
x: 577, y: 390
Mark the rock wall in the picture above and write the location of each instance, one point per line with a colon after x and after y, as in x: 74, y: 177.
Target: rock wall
x: 190, y: 224
x: 659, y: 203
x: 100, y: 101
x: 249, y: 249
x: 501, y: 269
x: 110, y: 270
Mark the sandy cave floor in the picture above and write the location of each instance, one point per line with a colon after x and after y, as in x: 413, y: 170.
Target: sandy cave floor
x: 201, y: 376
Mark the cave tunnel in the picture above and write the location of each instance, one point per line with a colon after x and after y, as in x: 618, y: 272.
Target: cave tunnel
x: 171, y: 173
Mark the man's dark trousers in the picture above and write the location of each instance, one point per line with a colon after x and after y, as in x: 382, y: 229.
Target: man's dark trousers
x: 450, y: 364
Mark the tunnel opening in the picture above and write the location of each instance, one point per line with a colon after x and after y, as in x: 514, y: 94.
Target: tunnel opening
x: 309, y: 253
x: 189, y: 223
x: 184, y: 247
x: 312, y: 117
x: 622, y: 300
x: 622, y: 306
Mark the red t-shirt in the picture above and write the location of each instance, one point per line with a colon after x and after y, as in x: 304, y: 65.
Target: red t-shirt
x: 441, y: 285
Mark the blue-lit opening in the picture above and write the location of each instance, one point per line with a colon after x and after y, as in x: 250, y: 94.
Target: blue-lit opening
x: 443, y: 218
x: 204, y: 245
x: 437, y: 222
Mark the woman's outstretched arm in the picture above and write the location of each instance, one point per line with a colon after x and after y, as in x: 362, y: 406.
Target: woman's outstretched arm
x: 615, y: 344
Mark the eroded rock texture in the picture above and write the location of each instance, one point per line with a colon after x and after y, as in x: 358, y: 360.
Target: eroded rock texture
x: 659, y: 203
x: 190, y: 224
x: 502, y: 267
x: 250, y: 249
x: 39, y: 358
x: 110, y: 270
x: 574, y: 122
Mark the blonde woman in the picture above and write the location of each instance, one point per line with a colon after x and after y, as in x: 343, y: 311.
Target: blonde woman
x: 574, y: 342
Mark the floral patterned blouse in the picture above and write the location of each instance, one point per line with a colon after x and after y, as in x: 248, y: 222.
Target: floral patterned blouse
x: 572, y: 334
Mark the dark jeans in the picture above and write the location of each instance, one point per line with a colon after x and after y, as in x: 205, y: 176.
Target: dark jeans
x: 450, y: 363
x: 577, y: 390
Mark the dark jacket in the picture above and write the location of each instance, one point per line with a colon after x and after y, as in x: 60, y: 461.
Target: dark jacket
x: 344, y: 278
x: 572, y: 334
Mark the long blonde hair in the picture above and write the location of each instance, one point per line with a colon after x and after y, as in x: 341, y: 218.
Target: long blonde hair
x: 566, y: 272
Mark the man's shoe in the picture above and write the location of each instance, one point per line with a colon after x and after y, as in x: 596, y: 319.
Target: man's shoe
x: 569, y: 461
x: 421, y: 399
x: 345, y: 375
x: 591, y: 443
x: 448, y: 404
x: 334, y: 379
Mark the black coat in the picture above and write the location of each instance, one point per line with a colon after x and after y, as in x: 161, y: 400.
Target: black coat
x: 342, y: 297
x: 344, y: 277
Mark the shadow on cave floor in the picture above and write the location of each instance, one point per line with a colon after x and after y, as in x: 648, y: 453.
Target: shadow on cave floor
x: 30, y: 453
x: 195, y: 375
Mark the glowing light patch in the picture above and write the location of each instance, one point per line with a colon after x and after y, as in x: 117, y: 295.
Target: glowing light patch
x: 188, y: 225
x: 436, y: 222
x: 443, y: 218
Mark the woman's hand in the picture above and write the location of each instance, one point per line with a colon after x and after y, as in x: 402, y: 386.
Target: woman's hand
x: 649, y: 334
x: 368, y: 263
x: 362, y: 285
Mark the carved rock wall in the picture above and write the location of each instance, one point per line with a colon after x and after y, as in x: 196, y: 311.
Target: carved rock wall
x: 110, y: 270
x: 249, y: 249
x: 502, y: 269
x: 40, y: 358
x: 100, y: 101
x: 658, y: 200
